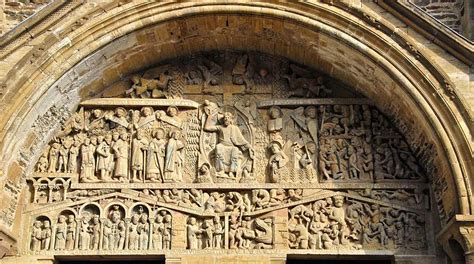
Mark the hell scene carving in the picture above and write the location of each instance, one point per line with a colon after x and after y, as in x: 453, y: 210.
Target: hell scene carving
x: 228, y: 151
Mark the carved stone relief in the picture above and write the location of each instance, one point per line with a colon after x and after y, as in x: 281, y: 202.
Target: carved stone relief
x: 228, y: 151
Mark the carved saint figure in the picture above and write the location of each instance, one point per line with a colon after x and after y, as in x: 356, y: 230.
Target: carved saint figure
x: 121, y: 157
x: 277, y: 163
x: 143, y: 230
x: 61, y: 230
x: 46, y: 235
x: 43, y: 163
x: 36, y: 236
x: 230, y: 141
x: 133, y: 237
x: 88, y: 161
x: 53, y: 157
x: 73, y: 154
x: 63, y: 154
x: 115, y: 230
x: 119, y: 118
x: 103, y: 158
x: 275, y: 123
x: 158, y: 229
x: 95, y: 232
x: 156, y: 156
x: 193, y: 231
x: 167, y: 232
x: 85, y: 233
x: 139, y: 150
x: 70, y: 232
x: 307, y: 161
x: 308, y: 123
x: 174, y: 158
x: 204, y: 174
x: 146, y: 119
x: 218, y: 233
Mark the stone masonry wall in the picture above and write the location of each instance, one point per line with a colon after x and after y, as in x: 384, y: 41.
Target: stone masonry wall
x: 12, y: 12
x: 448, y: 12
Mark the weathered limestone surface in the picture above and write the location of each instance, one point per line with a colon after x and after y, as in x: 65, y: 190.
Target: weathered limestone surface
x: 219, y: 124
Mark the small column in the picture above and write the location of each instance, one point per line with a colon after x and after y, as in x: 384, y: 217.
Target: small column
x: 226, y: 230
x: 101, y: 238
x: 50, y: 192
x: 127, y: 225
x: 78, y: 230
x: 457, y: 239
x: 35, y: 192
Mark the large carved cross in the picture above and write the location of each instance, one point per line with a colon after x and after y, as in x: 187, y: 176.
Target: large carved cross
x: 227, y: 91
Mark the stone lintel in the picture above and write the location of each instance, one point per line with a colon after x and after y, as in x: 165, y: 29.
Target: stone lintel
x: 185, y: 103
x: 316, y: 101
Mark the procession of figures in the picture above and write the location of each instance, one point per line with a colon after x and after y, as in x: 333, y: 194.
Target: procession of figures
x: 228, y: 151
x: 346, y: 143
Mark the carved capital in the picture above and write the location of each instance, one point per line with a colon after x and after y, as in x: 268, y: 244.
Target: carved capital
x: 458, y: 235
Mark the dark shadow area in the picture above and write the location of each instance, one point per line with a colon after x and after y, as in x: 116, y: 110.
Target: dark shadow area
x: 97, y: 261
x: 337, y: 261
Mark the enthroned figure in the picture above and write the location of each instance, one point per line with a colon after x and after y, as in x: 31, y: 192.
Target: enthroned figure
x: 229, y: 146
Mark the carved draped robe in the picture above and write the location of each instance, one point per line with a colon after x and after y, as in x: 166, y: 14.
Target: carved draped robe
x: 121, y: 154
x: 139, y: 153
x: 174, y: 161
x: 87, y: 168
x: 156, y: 155
x: 103, y: 151
x: 227, y: 152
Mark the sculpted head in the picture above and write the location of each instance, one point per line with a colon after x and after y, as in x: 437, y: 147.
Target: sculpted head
x: 338, y: 200
x: 172, y: 111
x: 159, y: 219
x: 228, y: 119
x: 62, y: 219
x: 147, y: 111
x: 310, y: 112
x: 70, y: 218
x: 275, y: 147
x: 159, y: 133
x: 135, y: 219
x: 135, y: 79
x: 204, y: 168
x: 168, y: 218
x: 120, y: 112
x: 37, y: 224
x: 140, y: 134
x: 311, y: 146
x: 175, y: 134
x: 275, y: 112
x: 115, y: 135
x: 97, y: 113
